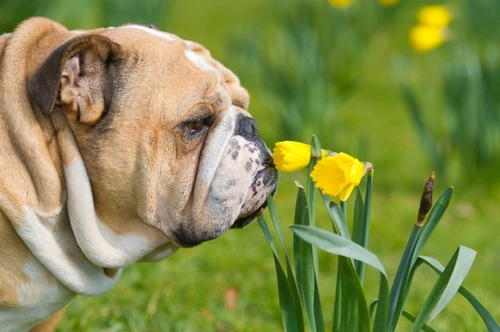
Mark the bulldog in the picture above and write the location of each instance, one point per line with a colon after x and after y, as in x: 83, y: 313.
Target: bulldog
x: 117, y: 145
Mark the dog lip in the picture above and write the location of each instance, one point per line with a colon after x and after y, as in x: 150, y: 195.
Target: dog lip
x: 269, y: 178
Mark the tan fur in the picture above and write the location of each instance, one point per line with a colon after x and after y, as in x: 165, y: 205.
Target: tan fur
x: 50, y: 323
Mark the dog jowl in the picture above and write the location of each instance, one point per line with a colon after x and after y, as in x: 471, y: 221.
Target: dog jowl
x: 117, y: 145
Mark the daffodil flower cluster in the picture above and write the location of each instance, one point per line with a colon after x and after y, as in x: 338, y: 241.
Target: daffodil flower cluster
x: 431, y: 30
x: 336, y: 174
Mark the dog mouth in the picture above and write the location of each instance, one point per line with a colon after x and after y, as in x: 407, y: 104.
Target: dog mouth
x: 263, y: 184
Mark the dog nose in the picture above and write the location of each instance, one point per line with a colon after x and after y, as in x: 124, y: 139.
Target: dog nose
x: 247, y: 127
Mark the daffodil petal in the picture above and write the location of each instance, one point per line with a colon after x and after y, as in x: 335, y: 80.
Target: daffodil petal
x: 338, y: 175
x: 291, y: 156
x: 346, y: 192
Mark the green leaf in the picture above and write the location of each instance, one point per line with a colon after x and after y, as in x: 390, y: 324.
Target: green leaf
x: 418, y: 238
x: 301, y: 218
x: 485, y: 315
x: 462, y: 268
x: 357, y: 225
x: 288, y: 311
x: 290, y: 277
x: 372, y: 306
x: 273, y: 213
x: 311, y: 192
x: 338, y: 245
x: 305, y: 254
x: 446, y: 286
x: 361, y: 222
x: 412, y: 319
x: 338, y: 217
x: 267, y: 234
x: 308, y: 285
x: 291, y: 312
x: 382, y: 316
x: 337, y: 309
x: 399, y: 286
x: 355, y: 315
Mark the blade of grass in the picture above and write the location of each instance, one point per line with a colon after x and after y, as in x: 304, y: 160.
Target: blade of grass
x: 446, y: 286
x: 485, y: 315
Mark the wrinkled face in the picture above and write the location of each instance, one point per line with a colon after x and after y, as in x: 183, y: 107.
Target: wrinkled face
x: 165, y: 135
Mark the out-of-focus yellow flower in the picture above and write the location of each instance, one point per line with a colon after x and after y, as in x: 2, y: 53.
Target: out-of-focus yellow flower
x: 341, y: 3
x: 388, y: 3
x: 424, y: 38
x: 435, y: 16
x: 290, y: 156
x: 338, y: 175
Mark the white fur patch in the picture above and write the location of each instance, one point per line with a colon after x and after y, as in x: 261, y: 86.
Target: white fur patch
x: 154, y: 32
x: 160, y: 253
x: 50, y: 239
x: 199, y: 60
x: 214, y: 148
x: 39, y: 298
x: 101, y: 245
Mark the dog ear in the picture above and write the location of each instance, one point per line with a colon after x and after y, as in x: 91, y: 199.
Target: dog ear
x: 73, y: 77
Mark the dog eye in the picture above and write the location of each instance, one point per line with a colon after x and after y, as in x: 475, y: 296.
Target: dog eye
x: 195, y: 127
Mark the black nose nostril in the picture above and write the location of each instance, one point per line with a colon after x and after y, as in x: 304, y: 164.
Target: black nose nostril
x: 247, y: 127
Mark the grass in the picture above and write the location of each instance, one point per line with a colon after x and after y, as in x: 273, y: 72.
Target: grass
x: 187, y: 291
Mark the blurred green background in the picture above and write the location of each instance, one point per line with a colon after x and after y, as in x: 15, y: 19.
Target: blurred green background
x: 349, y: 76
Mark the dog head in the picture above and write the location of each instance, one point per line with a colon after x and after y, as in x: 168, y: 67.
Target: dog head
x: 162, y: 130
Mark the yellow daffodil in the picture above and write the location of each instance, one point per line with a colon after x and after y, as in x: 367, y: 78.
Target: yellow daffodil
x: 424, y: 38
x: 388, y: 3
x: 290, y: 156
x: 435, y: 16
x: 338, y: 175
x: 340, y: 3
